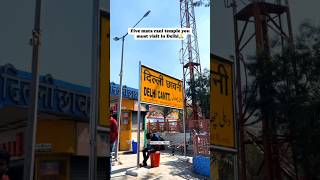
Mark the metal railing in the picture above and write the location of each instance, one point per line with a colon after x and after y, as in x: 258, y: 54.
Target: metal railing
x: 154, y: 127
x: 201, y: 144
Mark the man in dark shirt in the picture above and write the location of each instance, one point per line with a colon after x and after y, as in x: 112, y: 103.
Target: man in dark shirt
x: 150, y: 148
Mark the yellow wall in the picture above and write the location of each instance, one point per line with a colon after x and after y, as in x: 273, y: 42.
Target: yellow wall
x: 126, y: 131
x: 125, y: 140
x: 104, y: 87
x: 61, y: 134
x: 128, y: 104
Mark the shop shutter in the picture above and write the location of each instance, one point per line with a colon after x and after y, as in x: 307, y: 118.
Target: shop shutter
x: 79, y: 168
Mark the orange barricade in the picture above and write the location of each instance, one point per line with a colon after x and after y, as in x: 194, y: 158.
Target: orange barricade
x: 155, y: 159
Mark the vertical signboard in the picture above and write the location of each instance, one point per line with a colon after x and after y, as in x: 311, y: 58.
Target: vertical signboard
x: 222, y: 128
x: 104, y: 80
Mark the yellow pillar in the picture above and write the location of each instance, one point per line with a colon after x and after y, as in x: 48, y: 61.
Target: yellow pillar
x: 126, y: 131
x: 104, y: 83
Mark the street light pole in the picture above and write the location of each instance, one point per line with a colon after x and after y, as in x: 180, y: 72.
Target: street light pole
x: 121, y: 75
x: 120, y: 100
x: 28, y: 169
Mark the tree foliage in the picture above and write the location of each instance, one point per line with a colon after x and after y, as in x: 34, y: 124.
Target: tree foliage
x: 202, y: 92
x: 165, y: 111
x: 205, y: 3
x: 286, y: 92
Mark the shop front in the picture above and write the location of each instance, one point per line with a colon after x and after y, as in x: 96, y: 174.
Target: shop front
x: 62, y: 138
x: 126, y: 121
x: 129, y: 109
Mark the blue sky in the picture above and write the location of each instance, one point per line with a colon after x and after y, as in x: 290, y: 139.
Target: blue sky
x: 160, y: 55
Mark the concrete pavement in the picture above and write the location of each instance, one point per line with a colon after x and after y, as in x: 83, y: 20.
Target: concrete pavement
x: 171, y: 167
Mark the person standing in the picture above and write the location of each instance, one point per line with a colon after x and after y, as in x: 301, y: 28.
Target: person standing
x: 4, y: 164
x: 113, y: 131
x: 113, y: 137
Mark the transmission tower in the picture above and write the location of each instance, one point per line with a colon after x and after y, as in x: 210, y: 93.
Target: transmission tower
x: 190, y: 57
x: 265, y: 17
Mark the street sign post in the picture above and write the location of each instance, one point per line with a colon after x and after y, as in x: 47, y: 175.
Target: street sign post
x: 222, y: 124
x: 159, y: 89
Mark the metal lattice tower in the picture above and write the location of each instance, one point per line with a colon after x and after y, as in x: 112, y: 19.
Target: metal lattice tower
x: 190, y: 57
x: 266, y: 17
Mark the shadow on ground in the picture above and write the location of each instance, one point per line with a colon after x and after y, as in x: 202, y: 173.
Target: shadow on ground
x: 171, y: 168
x: 121, y: 170
x: 148, y: 176
x: 183, y: 169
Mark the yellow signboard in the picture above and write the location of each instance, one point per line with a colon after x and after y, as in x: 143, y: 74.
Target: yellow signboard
x: 221, y: 103
x: 104, y: 88
x: 160, y: 89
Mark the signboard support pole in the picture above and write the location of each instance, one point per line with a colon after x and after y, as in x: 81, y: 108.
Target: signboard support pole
x: 235, y: 167
x: 94, y: 91
x: 139, y: 107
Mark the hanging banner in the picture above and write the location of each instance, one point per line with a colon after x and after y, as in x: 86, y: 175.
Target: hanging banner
x: 160, y: 89
x: 104, y: 85
x: 222, y: 129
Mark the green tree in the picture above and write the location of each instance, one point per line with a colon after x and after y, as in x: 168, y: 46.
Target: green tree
x: 205, y: 3
x: 202, y: 92
x: 165, y: 112
x: 286, y: 92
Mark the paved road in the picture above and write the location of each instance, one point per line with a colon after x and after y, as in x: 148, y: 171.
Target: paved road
x: 171, y: 167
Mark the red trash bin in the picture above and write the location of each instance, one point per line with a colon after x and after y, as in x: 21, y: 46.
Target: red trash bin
x: 155, y: 159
